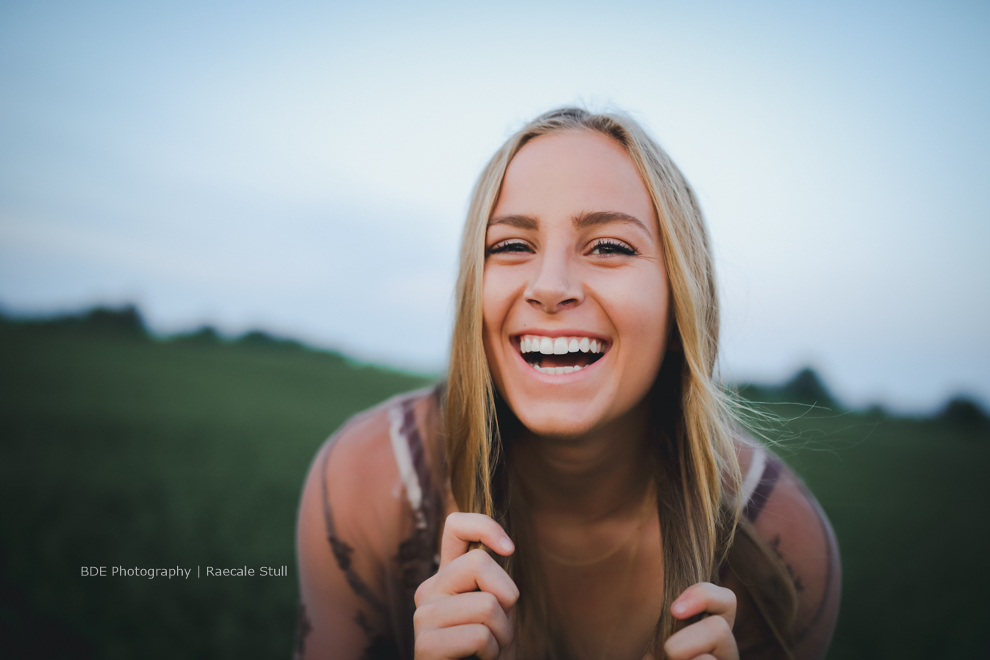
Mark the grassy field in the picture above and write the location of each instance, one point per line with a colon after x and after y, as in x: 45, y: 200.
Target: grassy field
x: 120, y: 450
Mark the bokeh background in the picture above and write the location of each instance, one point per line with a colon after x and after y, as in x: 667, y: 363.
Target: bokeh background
x: 300, y: 171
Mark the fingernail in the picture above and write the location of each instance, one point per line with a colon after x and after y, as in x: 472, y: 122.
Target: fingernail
x: 678, y: 607
x: 506, y: 544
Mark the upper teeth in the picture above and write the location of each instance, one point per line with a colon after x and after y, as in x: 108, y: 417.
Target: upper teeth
x: 560, y: 345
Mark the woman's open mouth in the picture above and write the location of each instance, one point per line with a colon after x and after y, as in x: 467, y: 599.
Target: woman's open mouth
x: 561, y: 355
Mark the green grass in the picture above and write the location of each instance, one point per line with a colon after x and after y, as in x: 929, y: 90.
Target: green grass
x: 117, y: 449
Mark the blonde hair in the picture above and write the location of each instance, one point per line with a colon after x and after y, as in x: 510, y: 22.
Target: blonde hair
x: 697, y: 469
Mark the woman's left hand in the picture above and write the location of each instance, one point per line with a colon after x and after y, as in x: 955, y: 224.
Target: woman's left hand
x: 708, y: 639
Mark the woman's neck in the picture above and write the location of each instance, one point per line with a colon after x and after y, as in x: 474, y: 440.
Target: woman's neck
x: 587, y: 478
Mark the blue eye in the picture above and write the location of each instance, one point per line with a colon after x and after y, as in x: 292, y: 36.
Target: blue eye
x: 511, y: 245
x: 612, y: 246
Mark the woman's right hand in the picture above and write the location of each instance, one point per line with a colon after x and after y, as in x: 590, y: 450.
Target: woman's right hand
x: 466, y: 608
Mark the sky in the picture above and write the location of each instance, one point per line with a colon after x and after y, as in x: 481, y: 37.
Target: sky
x: 304, y: 168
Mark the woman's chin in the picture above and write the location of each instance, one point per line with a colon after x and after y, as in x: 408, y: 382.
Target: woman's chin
x: 562, y: 421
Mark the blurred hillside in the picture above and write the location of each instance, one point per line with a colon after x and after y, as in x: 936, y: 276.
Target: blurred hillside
x: 117, y: 448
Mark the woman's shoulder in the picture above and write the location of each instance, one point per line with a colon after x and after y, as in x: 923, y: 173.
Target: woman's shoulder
x: 380, y: 470
x: 788, y: 520
x: 366, y: 522
x: 389, y: 447
x: 369, y: 437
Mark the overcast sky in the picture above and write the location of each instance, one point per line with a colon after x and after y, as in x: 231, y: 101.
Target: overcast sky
x: 305, y: 167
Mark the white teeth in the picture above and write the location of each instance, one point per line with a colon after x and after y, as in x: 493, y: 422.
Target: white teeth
x: 560, y: 345
x: 555, y: 371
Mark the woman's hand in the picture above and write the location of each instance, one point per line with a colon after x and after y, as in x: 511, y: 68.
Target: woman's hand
x: 465, y: 609
x: 708, y: 639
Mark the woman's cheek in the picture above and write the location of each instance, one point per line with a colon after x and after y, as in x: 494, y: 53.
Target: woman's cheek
x: 639, y: 310
x: 496, y: 303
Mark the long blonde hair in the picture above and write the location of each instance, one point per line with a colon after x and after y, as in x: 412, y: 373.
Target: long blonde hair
x: 697, y: 469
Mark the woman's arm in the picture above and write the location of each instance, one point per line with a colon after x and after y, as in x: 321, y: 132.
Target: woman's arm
x: 350, y: 522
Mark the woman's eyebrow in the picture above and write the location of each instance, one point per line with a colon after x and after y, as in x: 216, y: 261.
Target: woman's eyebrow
x: 581, y: 221
x: 518, y: 221
x: 595, y: 218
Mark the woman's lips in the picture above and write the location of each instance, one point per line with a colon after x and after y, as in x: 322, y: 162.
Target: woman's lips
x: 561, y: 355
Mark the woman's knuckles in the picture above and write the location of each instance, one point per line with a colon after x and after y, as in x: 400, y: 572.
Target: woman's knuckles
x: 430, y: 645
x: 475, y: 607
x: 457, y: 642
x: 487, y: 575
x: 423, y: 591
x: 423, y: 616
x: 717, y: 627
x: 482, y: 641
x: 478, y: 559
x: 711, y: 635
x: 485, y: 607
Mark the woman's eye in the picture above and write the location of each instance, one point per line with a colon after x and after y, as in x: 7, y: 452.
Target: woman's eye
x: 611, y: 246
x: 509, y: 246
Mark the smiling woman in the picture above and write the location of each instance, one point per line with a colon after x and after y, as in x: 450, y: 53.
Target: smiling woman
x: 577, y: 488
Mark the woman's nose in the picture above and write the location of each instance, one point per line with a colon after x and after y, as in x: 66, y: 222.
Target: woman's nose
x: 553, y: 288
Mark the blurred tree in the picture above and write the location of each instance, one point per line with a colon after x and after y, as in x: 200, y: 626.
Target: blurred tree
x: 807, y: 387
x: 964, y: 412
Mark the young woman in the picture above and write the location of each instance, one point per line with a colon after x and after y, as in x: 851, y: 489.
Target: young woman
x: 577, y: 488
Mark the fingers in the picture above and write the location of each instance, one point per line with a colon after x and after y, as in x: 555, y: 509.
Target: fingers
x: 705, y: 597
x: 463, y: 609
x: 472, y: 572
x: 458, y: 642
x: 709, y: 638
x: 475, y: 607
x: 462, y: 529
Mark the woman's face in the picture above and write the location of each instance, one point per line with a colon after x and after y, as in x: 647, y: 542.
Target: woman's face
x: 576, y: 299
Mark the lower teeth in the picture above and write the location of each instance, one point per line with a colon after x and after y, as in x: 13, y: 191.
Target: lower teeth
x: 556, y: 370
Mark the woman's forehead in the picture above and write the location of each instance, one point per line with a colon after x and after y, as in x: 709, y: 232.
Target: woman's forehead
x: 570, y: 173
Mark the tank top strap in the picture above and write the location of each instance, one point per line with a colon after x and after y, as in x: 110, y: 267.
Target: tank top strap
x: 410, y: 457
x: 761, y: 477
x: 419, y: 555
